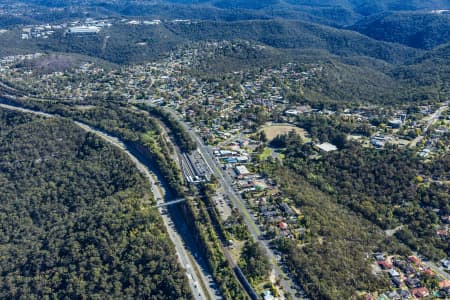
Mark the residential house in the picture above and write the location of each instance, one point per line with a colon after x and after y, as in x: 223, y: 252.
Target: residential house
x: 393, y: 273
x: 420, y: 292
x: 414, y: 259
x: 412, y: 282
x: 384, y: 265
x: 396, y: 281
x: 445, y: 263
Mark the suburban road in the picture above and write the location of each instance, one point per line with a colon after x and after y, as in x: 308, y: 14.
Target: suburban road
x: 433, y: 266
x: 432, y: 119
x: 226, y: 183
x: 199, y: 284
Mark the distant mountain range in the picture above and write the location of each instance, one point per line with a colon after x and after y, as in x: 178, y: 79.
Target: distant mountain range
x: 376, y: 50
x: 422, y: 24
x: 332, y: 12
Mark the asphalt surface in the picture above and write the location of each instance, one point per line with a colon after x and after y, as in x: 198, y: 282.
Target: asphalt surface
x: 198, y: 288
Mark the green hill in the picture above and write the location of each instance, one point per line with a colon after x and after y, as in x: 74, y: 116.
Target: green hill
x: 75, y: 219
x: 296, y: 35
x: 418, y: 30
x: 124, y: 43
x: 433, y: 68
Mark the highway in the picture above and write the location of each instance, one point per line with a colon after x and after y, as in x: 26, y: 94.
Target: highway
x: 200, y: 290
x: 226, y: 183
x: 184, y: 162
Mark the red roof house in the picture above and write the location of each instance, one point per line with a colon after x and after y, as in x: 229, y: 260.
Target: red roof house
x: 384, y: 264
x: 429, y: 272
x: 420, y: 292
x: 283, y: 225
x: 444, y: 284
x: 414, y: 259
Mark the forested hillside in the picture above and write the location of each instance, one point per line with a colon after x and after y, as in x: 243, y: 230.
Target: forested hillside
x: 76, y: 220
x: 296, y: 35
x: 418, y: 30
x: 332, y: 263
x: 433, y: 68
x: 337, y: 13
x: 383, y: 186
x: 123, y: 44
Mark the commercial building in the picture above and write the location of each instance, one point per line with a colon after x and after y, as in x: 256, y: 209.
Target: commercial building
x: 82, y: 30
x: 395, y: 123
x: 242, y: 171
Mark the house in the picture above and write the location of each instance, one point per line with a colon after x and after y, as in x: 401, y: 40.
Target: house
x: 445, y: 263
x: 412, y: 282
x: 442, y: 233
x: 428, y: 272
x: 393, y: 273
x: 408, y: 269
x: 384, y: 265
x: 404, y: 294
x: 414, y: 259
x: 398, y: 263
x: 420, y: 292
x: 267, y: 295
x: 444, y: 284
x: 224, y: 153
x: 394, y: 295
x: 445, y: 292
x: 379, y: 256
x: 425, y: 152
x: 283, y: 226
x: 396, y: 281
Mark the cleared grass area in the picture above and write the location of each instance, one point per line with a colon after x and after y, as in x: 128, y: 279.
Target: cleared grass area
x: 272, y: 131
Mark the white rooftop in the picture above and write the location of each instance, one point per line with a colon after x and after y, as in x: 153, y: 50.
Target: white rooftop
x: 242, y: 170
x: 327, y: 147
x: 84, y: 29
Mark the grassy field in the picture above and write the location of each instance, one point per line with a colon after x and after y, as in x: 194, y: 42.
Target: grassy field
x: 272, y: 131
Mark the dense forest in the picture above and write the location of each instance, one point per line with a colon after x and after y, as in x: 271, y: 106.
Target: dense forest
x: 332, y: 262
x: 384, y: 186
x: 332, y: 12
x: 76, y: 220
x: 414, y: 29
